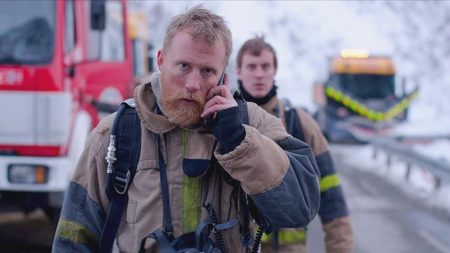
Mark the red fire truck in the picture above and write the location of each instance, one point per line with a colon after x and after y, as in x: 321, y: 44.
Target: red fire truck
x: 59, y: 61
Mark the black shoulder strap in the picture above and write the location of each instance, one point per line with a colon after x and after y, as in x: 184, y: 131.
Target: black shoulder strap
x: 123, y: 156
x: 247, y: 205
x: 243, y: 110
x: 293, y: 123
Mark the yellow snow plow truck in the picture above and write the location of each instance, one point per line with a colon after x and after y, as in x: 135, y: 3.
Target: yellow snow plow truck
x: 360, y: 97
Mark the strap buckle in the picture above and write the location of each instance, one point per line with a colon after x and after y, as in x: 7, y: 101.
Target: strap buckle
x: 121, y: 184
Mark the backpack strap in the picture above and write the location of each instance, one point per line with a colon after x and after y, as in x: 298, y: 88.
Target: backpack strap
x: 293, y: 123
x: 167, y: 217
x: 199, y: 239
x: 243, y: 110
x: 247, y: 205
x: 126, y: 140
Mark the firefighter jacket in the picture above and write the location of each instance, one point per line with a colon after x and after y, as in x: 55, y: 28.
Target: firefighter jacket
x: 333, y: 210
x: 278, y: 172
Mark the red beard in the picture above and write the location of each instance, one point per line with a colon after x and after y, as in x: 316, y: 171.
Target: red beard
x: 182, y: 108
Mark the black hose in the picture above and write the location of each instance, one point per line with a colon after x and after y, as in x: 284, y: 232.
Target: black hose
x: 217, y: 234
x: 258, y: 238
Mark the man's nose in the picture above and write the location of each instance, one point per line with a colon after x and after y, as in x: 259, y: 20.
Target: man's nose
x: 193, y: 82
x: 259, y: 72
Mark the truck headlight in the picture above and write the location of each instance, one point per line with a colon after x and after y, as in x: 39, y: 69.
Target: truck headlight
x: 342, y: 112
x: 27, y: 174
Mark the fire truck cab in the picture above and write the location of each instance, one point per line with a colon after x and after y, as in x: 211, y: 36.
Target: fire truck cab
x: 58, y: 59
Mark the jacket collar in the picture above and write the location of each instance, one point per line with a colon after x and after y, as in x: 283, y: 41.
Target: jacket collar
x: 273, y: 106
x: 146, y: 108
x: 199, y: 145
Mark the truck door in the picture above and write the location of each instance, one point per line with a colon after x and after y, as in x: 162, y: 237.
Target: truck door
x: 106, y: 73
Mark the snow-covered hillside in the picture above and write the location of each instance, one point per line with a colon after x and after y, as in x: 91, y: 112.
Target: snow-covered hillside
x: 306, y: 33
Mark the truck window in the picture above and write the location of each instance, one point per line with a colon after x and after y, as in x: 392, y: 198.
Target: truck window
x: 27, y: 32
x: 367, y: 86
x: 70, y: 36
x: 108, y: 45
x: 139, y: 60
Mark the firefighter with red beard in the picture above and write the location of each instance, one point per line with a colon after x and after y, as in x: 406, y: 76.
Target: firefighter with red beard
x: 190, y: 177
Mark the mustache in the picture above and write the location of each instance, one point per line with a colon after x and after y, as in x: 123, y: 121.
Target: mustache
x: 191, y: 96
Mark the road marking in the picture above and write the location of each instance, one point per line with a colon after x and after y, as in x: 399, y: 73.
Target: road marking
x: 433, y: 241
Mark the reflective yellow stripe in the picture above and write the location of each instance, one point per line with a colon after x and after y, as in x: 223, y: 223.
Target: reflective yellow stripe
x: 330, y: 92
x: 290, y: 236
x: 364, y: 111
x: 191, y: 203
x: 184, y: 141
x: 329, y: 181
x: 191, y: 195
x: 75, y: 232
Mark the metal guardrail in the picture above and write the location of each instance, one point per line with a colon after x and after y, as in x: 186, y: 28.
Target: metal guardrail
x: 440, y: 169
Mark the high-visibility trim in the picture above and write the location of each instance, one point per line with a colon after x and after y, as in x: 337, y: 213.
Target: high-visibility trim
x: 191, y: 195
x: 370, y: 114
x: 75, y: 232
x: 191, y: 203
x: 290, y: 236
x: 329, y: 182
x: 184, y: 141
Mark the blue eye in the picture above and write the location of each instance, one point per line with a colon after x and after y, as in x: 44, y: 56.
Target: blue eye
x: 266, y: 67
x: 183, y: 66
x: 208, y: 72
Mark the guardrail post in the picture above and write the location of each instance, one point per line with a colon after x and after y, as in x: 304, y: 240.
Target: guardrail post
x: 408, y: 171
x: 437, y: 182
x: 374, y: 153
x: 388, y: 160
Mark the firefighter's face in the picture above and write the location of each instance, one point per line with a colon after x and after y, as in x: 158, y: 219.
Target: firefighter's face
x: 257, y: 73
x: 189, y: 68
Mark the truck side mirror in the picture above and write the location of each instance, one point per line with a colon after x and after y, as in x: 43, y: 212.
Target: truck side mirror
x: 319, y: 94
x: 150, y: 64
x: 98, y: 15
x: 403, y: 86
x: 150, y: 58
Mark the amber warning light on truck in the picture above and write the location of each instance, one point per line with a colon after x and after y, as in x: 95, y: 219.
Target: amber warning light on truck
x: 354, y: 53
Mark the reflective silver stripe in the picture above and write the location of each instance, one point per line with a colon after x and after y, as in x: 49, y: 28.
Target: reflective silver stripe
x: 35, y: 118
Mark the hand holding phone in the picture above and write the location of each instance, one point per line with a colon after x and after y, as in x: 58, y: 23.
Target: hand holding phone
x: 222, y: 117
x: 207, y: 122
x: 221, y: 80
x: 218, y: 98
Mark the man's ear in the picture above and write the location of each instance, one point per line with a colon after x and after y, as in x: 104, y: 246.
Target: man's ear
x: 160, y: 58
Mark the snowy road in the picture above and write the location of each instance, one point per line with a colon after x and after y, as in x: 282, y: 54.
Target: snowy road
x: 385, y: 218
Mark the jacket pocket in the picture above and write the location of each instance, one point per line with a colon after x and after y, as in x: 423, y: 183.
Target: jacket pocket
x: 136, y: 213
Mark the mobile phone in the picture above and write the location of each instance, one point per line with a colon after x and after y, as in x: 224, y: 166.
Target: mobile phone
x: 222, y: 77
x: 208, y: 121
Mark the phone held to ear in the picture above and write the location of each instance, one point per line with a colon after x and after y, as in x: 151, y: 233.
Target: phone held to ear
x: 207, y: 122
x: 222, y: 77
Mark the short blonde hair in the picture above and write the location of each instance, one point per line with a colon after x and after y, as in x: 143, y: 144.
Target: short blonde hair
x: 201, y: 23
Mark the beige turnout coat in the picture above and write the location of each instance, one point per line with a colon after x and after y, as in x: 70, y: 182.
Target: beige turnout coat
x: 336, y: 221
x: 273, y: 169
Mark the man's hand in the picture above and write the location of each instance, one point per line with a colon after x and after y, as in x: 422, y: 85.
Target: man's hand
x: 225, y: 123
x: 218, y: 99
